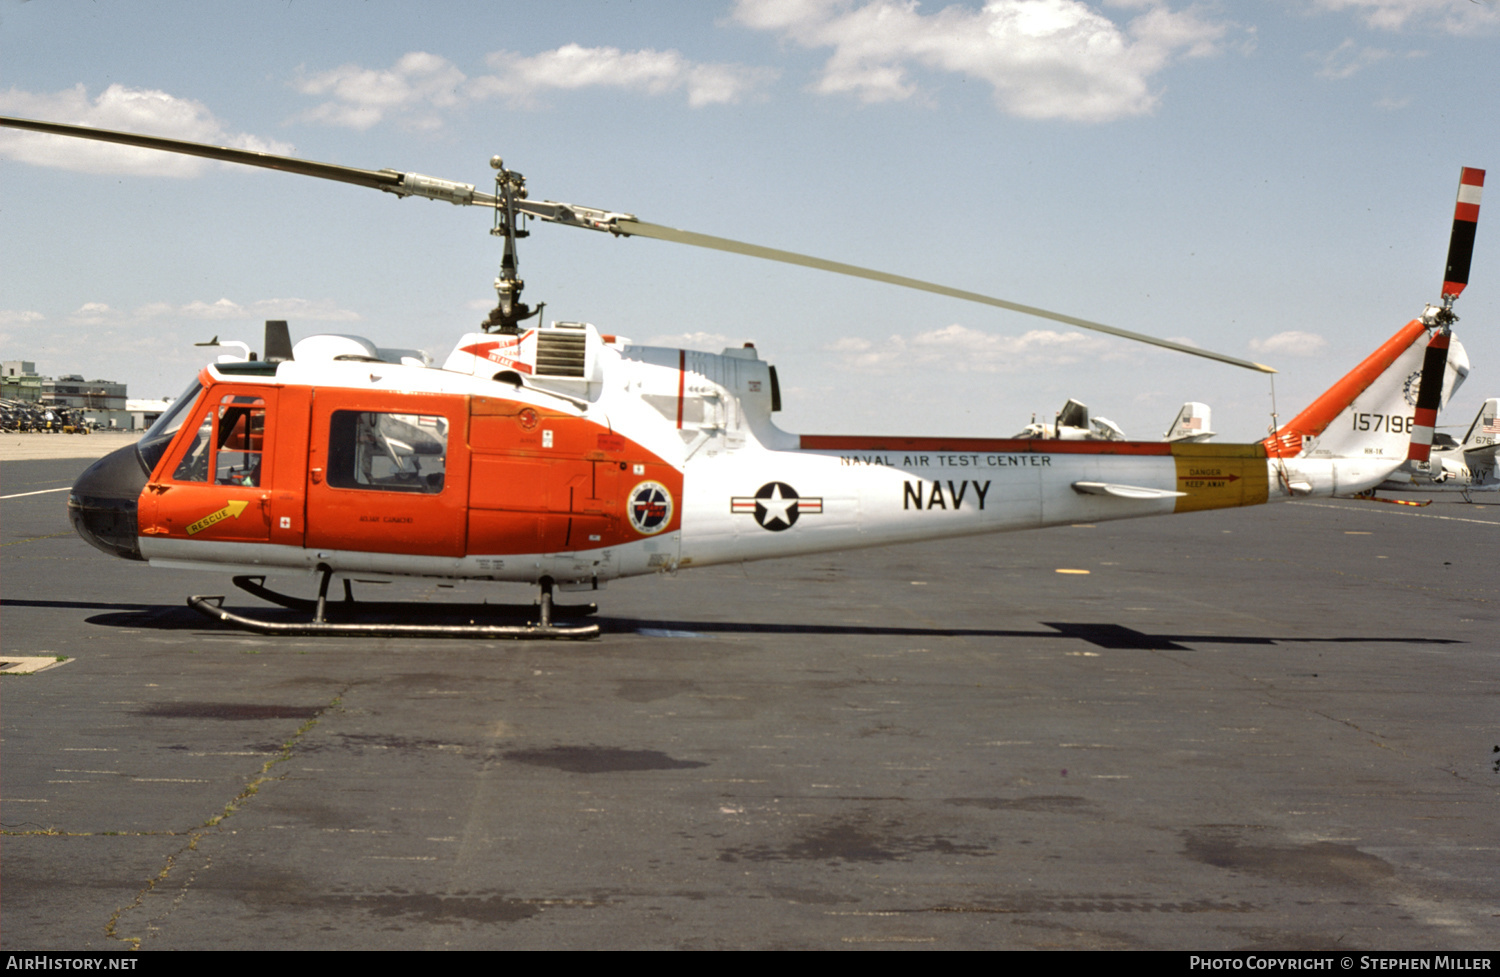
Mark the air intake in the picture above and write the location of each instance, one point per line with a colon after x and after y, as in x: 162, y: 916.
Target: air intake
x: 562, y: 351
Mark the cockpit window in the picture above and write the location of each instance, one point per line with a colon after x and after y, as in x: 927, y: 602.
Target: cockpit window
x: 242, y: 430
x: 233, y: 456
x: 153, y: 443
x: 194, y: 465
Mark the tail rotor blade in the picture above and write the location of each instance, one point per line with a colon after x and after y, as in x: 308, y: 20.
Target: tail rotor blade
x: 1435, y: 363
x: 1429, y: 397
x: 1465, y: 220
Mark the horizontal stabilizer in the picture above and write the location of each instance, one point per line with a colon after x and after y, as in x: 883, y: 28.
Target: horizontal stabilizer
x: 1124, y: 491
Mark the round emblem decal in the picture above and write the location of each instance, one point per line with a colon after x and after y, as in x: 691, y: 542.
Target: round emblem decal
x: 1412, y: 387
x: 650, y: 508
x: 527, y: 418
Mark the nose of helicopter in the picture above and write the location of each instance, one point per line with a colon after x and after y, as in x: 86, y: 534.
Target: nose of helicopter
x: 102, y: 505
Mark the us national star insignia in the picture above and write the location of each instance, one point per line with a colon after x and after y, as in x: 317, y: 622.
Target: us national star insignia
x: 776, y: 506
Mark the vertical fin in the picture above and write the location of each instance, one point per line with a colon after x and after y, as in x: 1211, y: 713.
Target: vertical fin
x: 1192, y: 424
x: 1365, y: 413
x: 1485, y: 431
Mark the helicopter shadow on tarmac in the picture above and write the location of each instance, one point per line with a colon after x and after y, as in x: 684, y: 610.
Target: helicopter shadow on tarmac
x: 1101, y: 635
x: 153, y: 617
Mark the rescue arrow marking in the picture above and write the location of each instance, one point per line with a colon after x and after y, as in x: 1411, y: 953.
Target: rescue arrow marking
x: 230, y: 511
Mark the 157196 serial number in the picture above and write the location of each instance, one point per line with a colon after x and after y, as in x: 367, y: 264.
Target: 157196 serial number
x: 1390, y: 423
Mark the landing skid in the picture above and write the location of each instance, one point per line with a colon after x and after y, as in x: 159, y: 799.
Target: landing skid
x: 256, y: 587
x: 539, y: 627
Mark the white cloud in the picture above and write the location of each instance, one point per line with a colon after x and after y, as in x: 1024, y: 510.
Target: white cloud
x: 1293, y: 342
x: 1044, y: 58
x: 19, y: 317
x: 963, y: 350
x: 1446, y: 16
x: 522, y: 79
x: 222, y: 309
x: 93, y: 314
x: 98, y: 313
x: 1349, y: 58
x: 421, y: 86
x: 417, y: 85
x: 299, y: 309
x: 118, y: 107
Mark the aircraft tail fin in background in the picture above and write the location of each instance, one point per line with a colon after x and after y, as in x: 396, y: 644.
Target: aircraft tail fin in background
x: 1484, y: 433
x: 1192, y: 424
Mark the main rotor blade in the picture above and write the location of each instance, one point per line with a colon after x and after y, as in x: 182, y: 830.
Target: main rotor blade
x: 643, y: 229
x: 391, y: 181
x: 416, y: 184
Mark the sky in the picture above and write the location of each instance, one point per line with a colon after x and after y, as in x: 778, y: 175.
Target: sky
x: 1272, y: 180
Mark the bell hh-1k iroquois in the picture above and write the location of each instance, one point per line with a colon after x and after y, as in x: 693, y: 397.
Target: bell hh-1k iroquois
x: 561, y: 456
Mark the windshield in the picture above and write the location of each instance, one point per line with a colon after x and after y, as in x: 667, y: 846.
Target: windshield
x: 153, y: 443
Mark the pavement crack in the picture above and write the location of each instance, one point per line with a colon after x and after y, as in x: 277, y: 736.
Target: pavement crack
x: 1378, y: 740
x: 231, y: 807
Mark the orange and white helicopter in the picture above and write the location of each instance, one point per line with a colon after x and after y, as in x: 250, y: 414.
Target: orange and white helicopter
x: 558, y: 455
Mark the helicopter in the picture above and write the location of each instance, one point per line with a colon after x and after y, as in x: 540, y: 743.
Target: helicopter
x: 561, y: 456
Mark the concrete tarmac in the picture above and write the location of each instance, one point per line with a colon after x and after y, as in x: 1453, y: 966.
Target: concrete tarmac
x: 31, y: 446
x: 1270, y: 728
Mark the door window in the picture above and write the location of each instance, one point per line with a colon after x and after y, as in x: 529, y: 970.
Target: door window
x: 229, y: 444
x: 387, y: 452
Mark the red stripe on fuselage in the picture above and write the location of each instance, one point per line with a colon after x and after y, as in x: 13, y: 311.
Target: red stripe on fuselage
x: 834, y: 442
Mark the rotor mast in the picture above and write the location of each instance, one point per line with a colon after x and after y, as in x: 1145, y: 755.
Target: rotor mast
x: 509, y: 311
